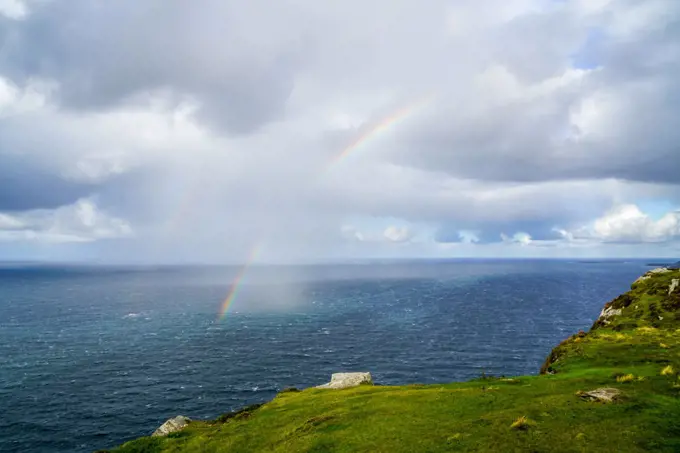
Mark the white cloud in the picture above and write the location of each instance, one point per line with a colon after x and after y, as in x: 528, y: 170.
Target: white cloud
x: 398, y: 234
x: 520, y: 238
x: 627, y: 223
x: 94, y: 148
x: 30, y: 98
x: 468, y: 237
x: 8, y: 222
x: 14, y: 9
x: 79, y: 222
x: 391, y: 234
x: 351, y: 233
x: 639, y: 18
x: 564, y: 234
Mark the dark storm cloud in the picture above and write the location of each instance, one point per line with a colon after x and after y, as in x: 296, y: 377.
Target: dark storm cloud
x: 26, y: 186
x: 106, y: 53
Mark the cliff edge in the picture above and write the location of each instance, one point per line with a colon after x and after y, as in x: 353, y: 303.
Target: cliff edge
x: 614, y: 388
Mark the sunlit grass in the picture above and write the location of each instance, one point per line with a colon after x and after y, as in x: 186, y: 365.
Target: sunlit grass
x: 668, y: 371
x: 625, y: 378
x: 522, y: 423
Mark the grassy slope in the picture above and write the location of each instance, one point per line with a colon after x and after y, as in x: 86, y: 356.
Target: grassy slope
x: 477, y: 415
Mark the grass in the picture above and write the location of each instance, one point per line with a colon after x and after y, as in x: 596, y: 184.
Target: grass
x: 636, y: 352
x: 625, y: 378
x: 521, y: 424
x: 668, y: 370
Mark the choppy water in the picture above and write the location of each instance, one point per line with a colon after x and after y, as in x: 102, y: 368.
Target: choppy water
x: 90, y: 358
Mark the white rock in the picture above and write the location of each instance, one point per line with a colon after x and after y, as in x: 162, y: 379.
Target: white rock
x: 649, y: 274
x: 172, y: 425
x: 674, y: 284
x: 347, y: 380
x: 608, y: 313
x: 605, y: 395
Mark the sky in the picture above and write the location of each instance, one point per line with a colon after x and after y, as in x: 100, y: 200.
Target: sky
x: 160, y: 132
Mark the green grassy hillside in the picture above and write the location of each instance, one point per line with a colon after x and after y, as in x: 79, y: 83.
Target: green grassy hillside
x: 634, y: 348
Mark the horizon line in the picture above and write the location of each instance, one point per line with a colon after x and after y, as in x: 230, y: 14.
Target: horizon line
x: 347, y: 261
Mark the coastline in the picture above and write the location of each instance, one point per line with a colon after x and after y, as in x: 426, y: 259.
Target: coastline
x: 631, y: 351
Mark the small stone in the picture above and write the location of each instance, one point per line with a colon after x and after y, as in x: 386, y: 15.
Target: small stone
x: 172, y: 425
x: 604, y: 395
x: 347, y: 380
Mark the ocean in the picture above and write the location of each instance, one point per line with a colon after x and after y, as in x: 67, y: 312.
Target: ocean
x: 93, y: 356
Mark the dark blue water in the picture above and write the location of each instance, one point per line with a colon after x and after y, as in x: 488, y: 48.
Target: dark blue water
x: 90, y: 358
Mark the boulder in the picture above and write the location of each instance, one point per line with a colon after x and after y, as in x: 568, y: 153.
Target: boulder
x: 674, y: 285
x: 172, y: 425
x: 604, y: 395
x: 347, y: 380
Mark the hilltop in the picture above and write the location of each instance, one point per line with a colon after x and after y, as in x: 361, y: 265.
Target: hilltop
x: 614, y: 388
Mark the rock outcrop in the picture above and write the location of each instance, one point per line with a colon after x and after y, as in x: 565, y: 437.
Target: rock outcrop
x: 347, y: 380
x: 603, y: 395
x: 172, y: 425
x: 650, y: 274
x: 674, y: 285
x: 608, y: 313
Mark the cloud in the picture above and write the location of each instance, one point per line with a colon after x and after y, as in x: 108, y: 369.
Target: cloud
x: 468, y: 237
x: 79, y: 222
x: 350, y: 233
x: 564, y: 234
x: 398, y: 234
x: 391, y: 234
x: 628, y: 224
x: 542, y: 116
x: 532, y: 119
x: 235, y: 62
x: 518, y: 238
x: 13, y: 9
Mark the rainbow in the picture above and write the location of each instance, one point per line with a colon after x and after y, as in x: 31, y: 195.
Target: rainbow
x: 382, y: 126
x: 236, y: 284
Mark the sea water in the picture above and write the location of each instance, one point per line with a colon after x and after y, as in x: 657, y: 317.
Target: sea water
x: 93, y: 356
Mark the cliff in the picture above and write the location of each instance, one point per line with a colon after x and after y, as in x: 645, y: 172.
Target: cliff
x: 612, y: 389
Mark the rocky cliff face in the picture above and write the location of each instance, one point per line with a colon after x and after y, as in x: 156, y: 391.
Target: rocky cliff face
x: 652, y: 302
